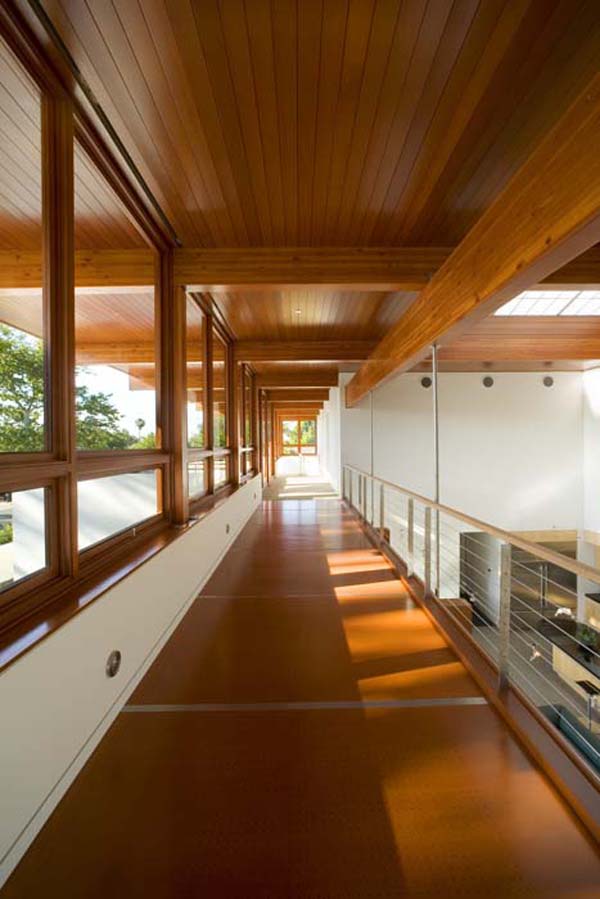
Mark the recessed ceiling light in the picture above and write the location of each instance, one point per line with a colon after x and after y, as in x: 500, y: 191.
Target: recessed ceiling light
x: 298, y: 311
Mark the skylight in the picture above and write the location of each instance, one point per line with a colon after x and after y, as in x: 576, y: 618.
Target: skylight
x: 553, y: 302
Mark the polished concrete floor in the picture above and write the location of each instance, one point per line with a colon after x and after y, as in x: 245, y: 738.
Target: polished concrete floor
x: 307, y: 733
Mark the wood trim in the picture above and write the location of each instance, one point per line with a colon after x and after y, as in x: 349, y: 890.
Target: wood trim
x: 298, y: 395
x: 59, y: 312
x: 225, y: 270
x: 173, y: 337
x: 350, y: 268
x: 526, y: 338
x: 303, y: 350
x: 547, y: 215
x: 209, y: 401
x: 93, y: 268
x: 307, y: 378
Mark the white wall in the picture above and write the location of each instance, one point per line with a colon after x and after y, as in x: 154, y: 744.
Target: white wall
x: 591, y: 450
x: 511, y: 454
x: 56, y: 701
x: 328, y: 435
x: 355, y: 429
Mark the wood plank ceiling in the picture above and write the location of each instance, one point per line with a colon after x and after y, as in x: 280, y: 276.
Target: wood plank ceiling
x: 319, y: 123
x: 329, y: 122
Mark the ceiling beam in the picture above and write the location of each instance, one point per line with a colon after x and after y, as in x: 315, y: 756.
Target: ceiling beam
x: 298, y: 395
x: 303, y: 350
x: 339, y: 268
x: 305, y: 378
x: 527, y: 338
x: 93, y: 268
x: 286, y: 410
x: 548, y: 213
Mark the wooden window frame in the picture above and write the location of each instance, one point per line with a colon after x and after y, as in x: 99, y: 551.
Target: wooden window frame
x: 32, y: 607
x: 299, y: 444
x: 213, y: 328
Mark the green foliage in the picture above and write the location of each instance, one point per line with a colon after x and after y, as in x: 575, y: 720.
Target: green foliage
x: 308, y: 433
x: 197, y: 440
x: 21, y: 392
x: 6, y: 533
x: 220, y: 435
x: 22, y: 404
x: 148, y: 441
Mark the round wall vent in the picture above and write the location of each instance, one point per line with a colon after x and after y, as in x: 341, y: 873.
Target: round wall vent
x: 426, y: 382
x: 113, y: 663
x: 548, y: 381
x: 488, y: 382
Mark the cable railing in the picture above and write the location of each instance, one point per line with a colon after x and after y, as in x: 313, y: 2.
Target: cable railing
x: 520, y: 602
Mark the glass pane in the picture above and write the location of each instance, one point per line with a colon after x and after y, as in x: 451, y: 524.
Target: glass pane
x: 22, y: 370
x: 289, y: 431
x: 109, y: 505
x: 195, y: 373
x: 308, y: 432
x: 308, y: 450
x: 290, y: 450
x: 196, y: 478
x: 221, y: 470
x: 115, y: 328
x: 247, y: 408
x: 22, y: 534
x: 219, y: 393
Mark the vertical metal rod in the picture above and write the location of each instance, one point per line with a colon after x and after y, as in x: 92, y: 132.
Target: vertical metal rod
x: 504, y: 617
x: 411, y: 535
x: 427, y: 548
x: 372, y: 471
x: 381, y: 511
x: 351, y: 488
x: 436, y: 462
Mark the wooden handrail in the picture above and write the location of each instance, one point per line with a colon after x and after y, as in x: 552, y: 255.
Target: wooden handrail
x: 581, y: 569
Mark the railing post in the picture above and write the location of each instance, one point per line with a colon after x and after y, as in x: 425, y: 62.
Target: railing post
x: 411, y: 535
x: 504, y: 617
x: 351, y: 487
x: 381, y: 511
x: 427, y: 548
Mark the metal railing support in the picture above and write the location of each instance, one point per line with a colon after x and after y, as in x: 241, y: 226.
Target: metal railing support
x: 381, y: 511
x: 504, y: 617
x: 427, y: 551
x: 411, y: 535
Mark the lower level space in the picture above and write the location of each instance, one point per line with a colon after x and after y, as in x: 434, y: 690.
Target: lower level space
x: 306, y: 732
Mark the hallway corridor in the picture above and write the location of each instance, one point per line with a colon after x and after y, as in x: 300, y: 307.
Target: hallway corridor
x: 307, y: 733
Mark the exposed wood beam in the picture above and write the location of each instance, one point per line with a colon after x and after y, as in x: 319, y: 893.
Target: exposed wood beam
x: 305, y: 378
x: 547, y: 215
x: 93, y: 268
x: 527, y: 338
x: 286, y: 410
x: 345, y: 268
x: 298, y: 395
x: 130, y: 268
x: 303, y: 350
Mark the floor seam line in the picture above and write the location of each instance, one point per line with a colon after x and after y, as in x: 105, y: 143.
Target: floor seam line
x: 316, y: 705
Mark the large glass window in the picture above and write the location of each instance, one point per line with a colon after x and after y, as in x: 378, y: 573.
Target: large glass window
x: 195, y: 338
x: 22, y: 350
x: 115, y: 328
x: 220, y: 388
x: 112, y: 504
x: 22, y: 534
x: 299, y: 437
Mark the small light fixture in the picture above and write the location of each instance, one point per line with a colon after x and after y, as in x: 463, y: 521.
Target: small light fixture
x: 426, y: 382
x: 548, y: 381
x: 488, y: 382
x: 298, y: 311
x: 535, y: 653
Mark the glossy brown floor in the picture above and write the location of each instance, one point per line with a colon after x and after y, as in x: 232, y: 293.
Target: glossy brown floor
x: 307, y: 733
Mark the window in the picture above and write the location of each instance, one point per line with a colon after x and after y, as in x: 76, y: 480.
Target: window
x: 112, y: 504
x: 299, y: 437
x: 23, y: 388
x: 115, y: 328
x: 196, y: 336
x: 220, y: 388
x: 247, y: 435
x: 22, y: 534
